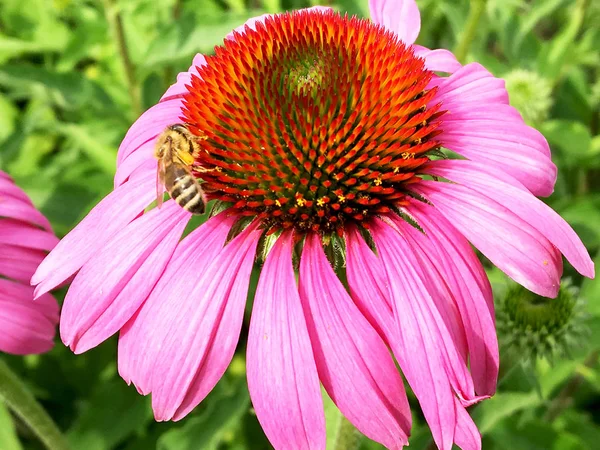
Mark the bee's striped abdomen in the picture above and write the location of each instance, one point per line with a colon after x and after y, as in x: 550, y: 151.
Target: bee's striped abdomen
x: 187, y: 193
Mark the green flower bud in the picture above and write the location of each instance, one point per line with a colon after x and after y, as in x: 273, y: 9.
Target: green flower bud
x: 530, y: 94
x: 531, y: 326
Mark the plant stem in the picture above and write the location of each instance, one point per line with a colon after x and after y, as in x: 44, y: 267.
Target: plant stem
x: 475, y: 12
x: 116, y: 22
x: 18, y: 398
x: 347, y: 437
x: 563, y: 399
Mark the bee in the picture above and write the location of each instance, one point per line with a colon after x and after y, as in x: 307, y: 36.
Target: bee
x: 176, y: 149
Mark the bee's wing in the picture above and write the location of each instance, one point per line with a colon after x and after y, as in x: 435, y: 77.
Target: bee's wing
x: 160, y: 182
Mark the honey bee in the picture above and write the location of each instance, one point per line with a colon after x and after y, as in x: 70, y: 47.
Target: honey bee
x: 176, y: 149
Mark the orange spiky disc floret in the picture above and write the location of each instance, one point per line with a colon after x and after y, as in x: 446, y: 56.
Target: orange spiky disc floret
x: 311, y: 121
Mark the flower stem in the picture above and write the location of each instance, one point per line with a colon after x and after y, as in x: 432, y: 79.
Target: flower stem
x: 116, y: 22
x: 347, y: 437
x: 18, y: 398
x: 475, y: 12
x: 564, y: 398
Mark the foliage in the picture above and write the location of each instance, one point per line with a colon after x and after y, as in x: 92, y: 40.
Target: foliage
x: 67, y: 97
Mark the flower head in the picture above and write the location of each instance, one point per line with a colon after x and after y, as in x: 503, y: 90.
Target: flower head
x: 25, y: 239
x: 319, y: 140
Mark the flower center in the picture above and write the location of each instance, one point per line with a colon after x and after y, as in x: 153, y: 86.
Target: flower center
x: 311, y: 121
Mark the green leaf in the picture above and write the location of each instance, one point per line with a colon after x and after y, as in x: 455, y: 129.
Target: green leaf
x: 341, y: 434
x: 8, y: 434
x: 221, y: 411
x: 573, y: 139
x: 114, y: 412
x: 539, y: 11
x: 590, y: 291
x: 491, y: 412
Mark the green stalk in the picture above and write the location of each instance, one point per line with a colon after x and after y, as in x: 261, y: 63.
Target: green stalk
x: 115, y: 20
x: 18, y: 398
x: 475, y: 12
x: 347, y: 437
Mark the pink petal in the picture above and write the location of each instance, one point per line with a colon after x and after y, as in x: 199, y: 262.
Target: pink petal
x: 19, y: 263
x: 15, y: 292
x: 416, y: 347
x: 282, y: 375
x: 112, y: 214
x: 135, y: 349
x: 28, y: 327
x: 444, y: 302
x: 184, y: 79
x: 137, y: 164
x: 9, y: 191
x: 366, y: 280
x: 111, y: 286
x: 511, y: 147
x: 511, y: 243
x: 16, y: 232
x: 197, y: 355
x: 144, y: 131
x: 472, y: 83
x: 466, y: 434
x: 400, y: 16
x: 353, y: 362
x: 438, y: 60
x: 481, y: 126
x: 452, y: 255
x: 191, y: 326
x: 251, y: 23
x: 523, y: 204
x: 24, y: 211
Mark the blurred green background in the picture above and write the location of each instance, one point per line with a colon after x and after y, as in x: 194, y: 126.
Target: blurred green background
x: 75, y: 74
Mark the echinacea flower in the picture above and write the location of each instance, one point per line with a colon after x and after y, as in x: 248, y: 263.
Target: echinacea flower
x: 320, y: 140
x: 26, y: 237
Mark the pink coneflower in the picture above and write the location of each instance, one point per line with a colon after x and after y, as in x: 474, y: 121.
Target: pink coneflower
x: 320, y: 138
x: 26, y: 237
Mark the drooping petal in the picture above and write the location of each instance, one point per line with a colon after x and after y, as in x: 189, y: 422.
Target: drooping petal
x: 136, y: 351
x: 438, y: 60
x: 200, y: 318
x: 19, y: 263
x: 197, y: 355
x: 400, y: 16
x: 417, y: 348
x: 223, y: 344
x: 507, y: 240
x: 444, y: 311
x: 16, y: 232
x: 282, y: 375
x: 366, y: 280
x: 113, y: 213
x: 126, y: 269
x: 24, y: 211
x: 532, y: 210
x: 466, y: 434
x: 353, y: 362
x: 28, y: 327
x: 481, y: 126
x: 466, y: 278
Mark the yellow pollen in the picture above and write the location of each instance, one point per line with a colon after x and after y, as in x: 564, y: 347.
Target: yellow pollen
x: 545, y: 263
x: 300, y: 201
x: 320, y: 202
x: 278, y: 203
x: 341, y: 198
x: 378, y: 181
x: 408, y: 155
